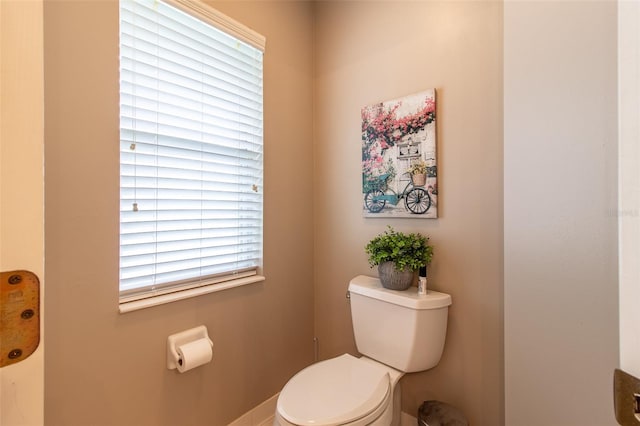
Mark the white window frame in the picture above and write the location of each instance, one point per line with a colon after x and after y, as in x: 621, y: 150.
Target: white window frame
x: 233, y: 28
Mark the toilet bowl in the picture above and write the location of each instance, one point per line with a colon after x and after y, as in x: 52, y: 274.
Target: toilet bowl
x: 396, y: 332
x: 340, y: 391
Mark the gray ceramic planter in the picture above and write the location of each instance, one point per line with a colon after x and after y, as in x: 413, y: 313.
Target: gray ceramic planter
x: 394, y: 279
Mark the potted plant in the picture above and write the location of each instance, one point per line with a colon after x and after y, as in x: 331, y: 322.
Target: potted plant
x: 418, y: 172
x: 398, y: 257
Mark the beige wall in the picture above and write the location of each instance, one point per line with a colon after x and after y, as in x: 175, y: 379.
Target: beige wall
x: 368, y: 52
x: 560, y: 221
x: 103, y: 368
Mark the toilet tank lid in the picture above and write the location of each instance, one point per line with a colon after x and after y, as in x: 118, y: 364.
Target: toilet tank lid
x: 371, y: 287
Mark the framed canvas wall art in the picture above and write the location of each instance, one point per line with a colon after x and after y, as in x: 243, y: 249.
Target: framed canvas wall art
x: 399, y: 172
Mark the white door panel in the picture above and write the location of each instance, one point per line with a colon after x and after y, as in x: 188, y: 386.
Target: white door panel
x: 22, y: 188
x: 629, y: 213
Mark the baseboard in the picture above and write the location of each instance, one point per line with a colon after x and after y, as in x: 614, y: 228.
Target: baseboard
x: 262, y: 415
x: 407, y: 419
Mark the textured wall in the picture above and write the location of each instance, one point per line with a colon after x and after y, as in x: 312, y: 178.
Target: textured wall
x: 368, y: 52
x: 560, y: 153
x: 103, y: 368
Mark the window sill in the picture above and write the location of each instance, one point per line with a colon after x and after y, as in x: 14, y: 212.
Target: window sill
x: 136, y: 305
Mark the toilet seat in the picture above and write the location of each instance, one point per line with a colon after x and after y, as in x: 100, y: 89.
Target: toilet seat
x: 342, y: 390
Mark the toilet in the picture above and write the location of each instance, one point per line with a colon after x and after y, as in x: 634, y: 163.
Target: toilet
x: 396, y: 332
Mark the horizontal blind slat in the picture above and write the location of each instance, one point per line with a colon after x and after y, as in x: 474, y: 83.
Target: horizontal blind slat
x: 143, y: 76
x: 224, y: 146
x: 142, y: 44
x: 218, y: 120
x: 179, y: 279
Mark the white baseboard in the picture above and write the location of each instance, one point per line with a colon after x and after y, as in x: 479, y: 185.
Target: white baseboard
x: 262, y: 415
x: 407, y: 419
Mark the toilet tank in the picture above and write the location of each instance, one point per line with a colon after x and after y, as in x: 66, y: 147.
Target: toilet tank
x: 402, y: 329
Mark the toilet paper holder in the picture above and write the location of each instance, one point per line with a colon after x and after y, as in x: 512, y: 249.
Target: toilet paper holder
x: 178, y: 339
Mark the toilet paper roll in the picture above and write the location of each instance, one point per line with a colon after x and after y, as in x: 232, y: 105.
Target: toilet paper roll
x: 194, y: 354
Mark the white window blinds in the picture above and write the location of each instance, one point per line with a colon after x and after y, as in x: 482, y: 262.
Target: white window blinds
x: 191, y: 144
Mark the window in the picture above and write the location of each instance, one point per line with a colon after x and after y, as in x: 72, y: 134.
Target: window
x: 191, y: 146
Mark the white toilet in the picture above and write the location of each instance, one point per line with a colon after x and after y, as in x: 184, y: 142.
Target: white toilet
x: 397, y: 332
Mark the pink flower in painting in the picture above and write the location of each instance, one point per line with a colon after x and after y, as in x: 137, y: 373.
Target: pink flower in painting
x: 382, y: 124
x: 382, y: 129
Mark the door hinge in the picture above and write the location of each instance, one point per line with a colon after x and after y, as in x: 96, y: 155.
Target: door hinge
x: 626, y: 398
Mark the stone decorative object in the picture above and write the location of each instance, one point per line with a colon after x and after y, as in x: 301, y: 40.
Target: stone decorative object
x: 436, y: 413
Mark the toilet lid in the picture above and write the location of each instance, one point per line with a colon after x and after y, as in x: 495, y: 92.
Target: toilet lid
x: 336, y: 391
